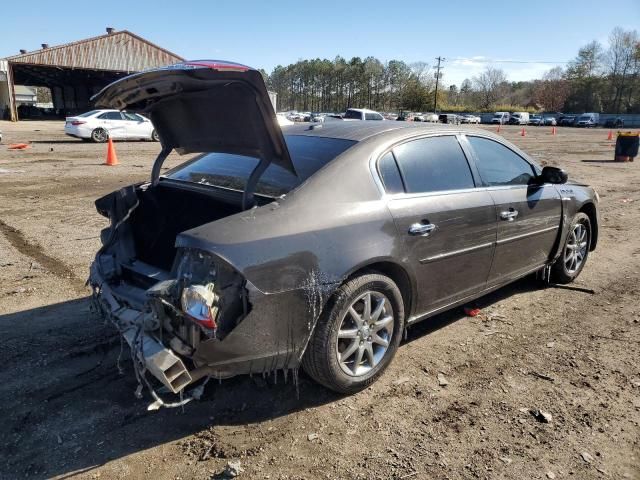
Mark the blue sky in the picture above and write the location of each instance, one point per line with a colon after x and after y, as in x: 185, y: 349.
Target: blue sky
x: 264, y: 34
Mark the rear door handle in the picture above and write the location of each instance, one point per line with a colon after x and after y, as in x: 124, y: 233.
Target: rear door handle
x: 509, y: 215
x: 422, y: 229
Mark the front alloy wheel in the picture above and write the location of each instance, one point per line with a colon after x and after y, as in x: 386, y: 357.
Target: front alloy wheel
x: 575, y: 251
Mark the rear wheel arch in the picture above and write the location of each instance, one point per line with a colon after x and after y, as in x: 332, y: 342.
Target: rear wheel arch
x: 590, y: 210
x: 395, y: 272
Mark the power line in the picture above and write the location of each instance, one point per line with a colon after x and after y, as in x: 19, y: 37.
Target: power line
x: 489, y: 60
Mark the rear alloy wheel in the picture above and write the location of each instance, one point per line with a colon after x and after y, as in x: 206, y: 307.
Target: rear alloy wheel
x: 575, y: 251
x: 99, y: 135
x: 155, y: 137
x: 357, y: 335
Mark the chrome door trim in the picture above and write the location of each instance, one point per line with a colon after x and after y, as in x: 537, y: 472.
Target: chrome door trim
x: 454, y: 253
x: 524, y: 235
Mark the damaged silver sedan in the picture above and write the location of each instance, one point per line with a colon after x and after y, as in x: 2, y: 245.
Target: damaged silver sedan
x: 312, y: 246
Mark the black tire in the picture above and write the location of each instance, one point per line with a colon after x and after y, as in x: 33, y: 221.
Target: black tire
x: 561, y: 272
x: 154, y: 136
x: 99, y: 135
x: 320, y: 360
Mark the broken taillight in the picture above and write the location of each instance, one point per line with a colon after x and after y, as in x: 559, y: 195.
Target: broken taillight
x: 199, y: 303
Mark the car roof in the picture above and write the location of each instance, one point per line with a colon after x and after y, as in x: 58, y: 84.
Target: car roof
x: 359, y: 131
x: 362, y: 110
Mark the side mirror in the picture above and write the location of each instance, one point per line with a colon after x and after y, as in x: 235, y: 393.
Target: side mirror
x: 553, y: 175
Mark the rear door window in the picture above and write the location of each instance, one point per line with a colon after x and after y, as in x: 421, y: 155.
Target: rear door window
x: 134, y: 117
x: 111, y: 116
x: 352, y: 114
x: 372, y: 116
x: 499, y: 165
x: 433, y: 164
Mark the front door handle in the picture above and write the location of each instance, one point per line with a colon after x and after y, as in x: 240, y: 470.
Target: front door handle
x: 423, y: 229
x: 509, y: 215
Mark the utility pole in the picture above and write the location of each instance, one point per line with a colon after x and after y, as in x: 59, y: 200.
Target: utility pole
x: 438, y: 68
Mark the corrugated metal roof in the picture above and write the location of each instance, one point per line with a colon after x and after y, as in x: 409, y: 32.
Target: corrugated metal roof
x: 120, y: 51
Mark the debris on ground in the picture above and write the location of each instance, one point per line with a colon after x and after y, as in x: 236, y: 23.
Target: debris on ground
x: 471, y: 312
x: 232, y: 469
x: 442, y: 381
x: 586, y: 457
x: 313, y: 436
x: 541, y: 416
x: 551, y: 475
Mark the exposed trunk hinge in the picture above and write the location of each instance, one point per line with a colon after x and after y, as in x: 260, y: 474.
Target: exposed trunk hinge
x: 157, y: 165
x: 249, y: 189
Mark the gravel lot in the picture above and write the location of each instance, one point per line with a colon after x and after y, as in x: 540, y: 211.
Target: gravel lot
x: 571, y: 352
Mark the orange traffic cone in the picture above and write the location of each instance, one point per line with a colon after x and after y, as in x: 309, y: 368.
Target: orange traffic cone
x: 610, y: 136
x: 523, y: 133
x: 112, y: 158
x: 553, y: 130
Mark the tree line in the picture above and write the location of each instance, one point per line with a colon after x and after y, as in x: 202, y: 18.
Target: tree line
x: 599, y: 79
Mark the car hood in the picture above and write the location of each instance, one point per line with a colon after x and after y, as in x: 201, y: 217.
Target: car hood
x: 204, y: 106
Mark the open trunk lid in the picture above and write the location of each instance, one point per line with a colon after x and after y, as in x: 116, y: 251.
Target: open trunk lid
x: 204, y: 106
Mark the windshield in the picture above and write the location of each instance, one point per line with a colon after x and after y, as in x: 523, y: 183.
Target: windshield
x: 498, y: 115
x: 88, y: 114
x: 585, y: 117
x: 308, y: 153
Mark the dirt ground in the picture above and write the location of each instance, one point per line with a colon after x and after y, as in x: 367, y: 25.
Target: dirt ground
x: 572, y: 352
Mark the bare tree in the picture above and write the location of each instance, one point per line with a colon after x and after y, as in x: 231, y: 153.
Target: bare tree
x: 489, y: 85
x: 620, y: 60
x: 552, y: 91
x: 585, y: 74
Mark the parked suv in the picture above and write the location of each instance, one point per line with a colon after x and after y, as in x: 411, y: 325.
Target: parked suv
x: 588, y: 120
x: 500, y: 118
x: 251, y: 256
x: 614, y: 122
x: 362, y: 114
x: 567, y: 120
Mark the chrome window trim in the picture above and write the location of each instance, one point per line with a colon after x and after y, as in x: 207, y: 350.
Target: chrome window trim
x: 379, y: 153
x: 534, y: 166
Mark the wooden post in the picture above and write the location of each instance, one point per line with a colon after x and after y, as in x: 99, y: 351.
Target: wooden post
x: 13, y: 110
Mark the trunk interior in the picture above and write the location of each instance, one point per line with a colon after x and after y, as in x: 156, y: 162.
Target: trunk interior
x: 166, y: 211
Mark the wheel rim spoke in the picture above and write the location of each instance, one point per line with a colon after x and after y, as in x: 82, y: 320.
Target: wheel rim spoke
x: 379, y: 340
x: 350, y: 333
x: 358, y: 359
x: 383, y: 323
x: 351, y: 349
x: 378, y: 311
x: 368, y: 349
x: 356, y: 317
x: 366, y: 314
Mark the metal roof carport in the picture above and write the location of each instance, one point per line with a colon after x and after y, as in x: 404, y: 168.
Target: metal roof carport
x: 75, y: 71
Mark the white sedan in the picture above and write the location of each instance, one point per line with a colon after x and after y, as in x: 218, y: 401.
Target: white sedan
x: 100, y: 125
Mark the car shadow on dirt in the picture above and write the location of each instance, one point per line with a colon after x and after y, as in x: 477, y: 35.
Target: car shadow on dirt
x: 67, y: 408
